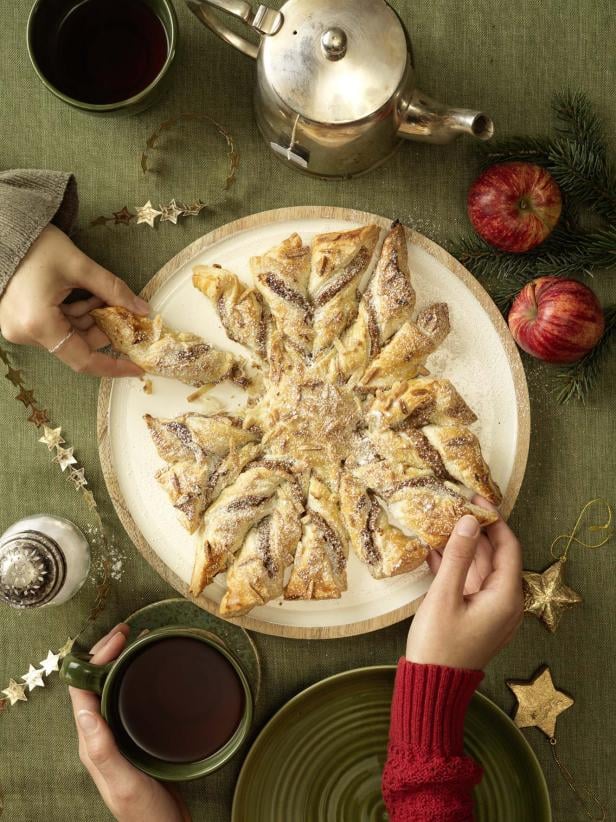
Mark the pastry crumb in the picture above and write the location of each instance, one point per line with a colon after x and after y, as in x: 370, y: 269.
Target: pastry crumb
x: 148, y: 388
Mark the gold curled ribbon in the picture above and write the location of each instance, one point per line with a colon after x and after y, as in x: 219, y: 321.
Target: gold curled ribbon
x: 573, y: 536
x: 583, y: 789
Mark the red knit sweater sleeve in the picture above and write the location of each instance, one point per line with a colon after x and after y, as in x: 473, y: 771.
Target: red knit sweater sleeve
x: 426, y: 777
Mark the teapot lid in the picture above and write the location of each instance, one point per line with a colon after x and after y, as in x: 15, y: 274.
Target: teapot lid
x: 336, y: 61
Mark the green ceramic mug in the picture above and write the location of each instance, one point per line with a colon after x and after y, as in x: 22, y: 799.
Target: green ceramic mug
x: 106, y: 680
x: 103, y: 56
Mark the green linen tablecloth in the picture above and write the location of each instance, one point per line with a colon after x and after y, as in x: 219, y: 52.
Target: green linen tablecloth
x: 504, y: 58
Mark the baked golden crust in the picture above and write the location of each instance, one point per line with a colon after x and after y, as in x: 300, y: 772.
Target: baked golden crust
x: 281, y: 276
x: 240, y: 308
x: 461, y: 454
x: 346, y: 442
x: 319, y: 570
x: 339, y: 261
x: 160, y: 350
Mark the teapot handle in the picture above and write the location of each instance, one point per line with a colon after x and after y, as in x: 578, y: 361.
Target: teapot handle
x: 264, y: 21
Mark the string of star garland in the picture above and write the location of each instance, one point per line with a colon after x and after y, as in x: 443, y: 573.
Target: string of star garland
x: 583, y: 242
x: 174, y: 210
x: 62, y: 454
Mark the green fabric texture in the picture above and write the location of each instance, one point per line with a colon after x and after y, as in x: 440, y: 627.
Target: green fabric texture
x: 506, y: 59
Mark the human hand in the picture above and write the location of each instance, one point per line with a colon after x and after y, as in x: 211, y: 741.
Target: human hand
x: 474, y: 605
x: 130, y: 795
x: 32, y: 309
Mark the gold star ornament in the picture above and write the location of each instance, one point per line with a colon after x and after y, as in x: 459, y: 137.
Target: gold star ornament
x: 147, y: 214
x: 539, y: 703
x: 15, y: 692
x: 66, y: 648
x: 52, y: 437
x: 546, y: 595
x: 170, y: 213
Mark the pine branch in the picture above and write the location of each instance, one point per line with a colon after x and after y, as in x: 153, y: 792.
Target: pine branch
x: 578, y: 121
x: 578, y: 379
x: 524, y: 149
x: 584, y: 174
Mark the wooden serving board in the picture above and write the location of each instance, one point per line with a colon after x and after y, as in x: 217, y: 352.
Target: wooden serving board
x: 479, y: 356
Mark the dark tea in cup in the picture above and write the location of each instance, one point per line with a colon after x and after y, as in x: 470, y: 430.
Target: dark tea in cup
x: 180, y: 700
x: 100, y: 53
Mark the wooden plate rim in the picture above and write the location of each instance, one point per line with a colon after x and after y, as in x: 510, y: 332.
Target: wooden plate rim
x: 280, y: 215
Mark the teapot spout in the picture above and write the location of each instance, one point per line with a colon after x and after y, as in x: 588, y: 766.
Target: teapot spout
x: 425, y: 119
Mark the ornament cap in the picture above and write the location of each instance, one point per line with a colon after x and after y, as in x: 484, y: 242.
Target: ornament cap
x: 32, y: 569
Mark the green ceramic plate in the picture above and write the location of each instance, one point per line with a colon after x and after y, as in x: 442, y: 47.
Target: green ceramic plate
x: 319, y: 759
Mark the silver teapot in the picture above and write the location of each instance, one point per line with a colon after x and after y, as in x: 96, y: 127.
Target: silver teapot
x: 335, y: 91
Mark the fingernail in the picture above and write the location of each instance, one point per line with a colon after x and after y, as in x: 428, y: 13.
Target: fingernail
x: 141, y: 306
x: 87, y: 721
x: 467, y: 526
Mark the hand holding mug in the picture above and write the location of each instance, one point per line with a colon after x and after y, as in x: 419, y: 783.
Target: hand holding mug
x: 130, y: 795
x: 474, y: 606
x: 33, y: 312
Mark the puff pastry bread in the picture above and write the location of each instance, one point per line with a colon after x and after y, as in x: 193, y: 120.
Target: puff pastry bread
x: 349, y: 443
x: 160, y: 350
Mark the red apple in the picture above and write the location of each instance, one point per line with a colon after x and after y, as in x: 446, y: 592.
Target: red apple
x: 556, y: 320
x: 514, y: 206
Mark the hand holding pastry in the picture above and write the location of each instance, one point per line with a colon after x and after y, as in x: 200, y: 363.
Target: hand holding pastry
x: 474, y: 606
x: 33, y: 312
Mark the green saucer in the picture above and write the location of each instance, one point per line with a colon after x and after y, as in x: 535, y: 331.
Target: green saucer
x: 320, y: 758
x: 183, y: 613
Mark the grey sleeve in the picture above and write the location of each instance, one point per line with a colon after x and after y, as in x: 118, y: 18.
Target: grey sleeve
x: 29, y: 200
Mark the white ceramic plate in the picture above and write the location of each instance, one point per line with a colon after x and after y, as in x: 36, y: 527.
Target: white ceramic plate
x: 478, y: 357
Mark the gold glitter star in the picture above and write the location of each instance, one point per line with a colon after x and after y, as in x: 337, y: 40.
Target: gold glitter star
x: 50, y: 664
x: 14, y: 376
x: 33, y: 678
x: 123, y: 217
x: 64, y: 457
x: 76, y: 476
x: 38, y: 417
x: 546, y: 595
x: 194, y: 209
x: 52, y: 437
x: 15, y: 692
x: 170, y: 213
x: 147, y: 214
x: 66, y: 648
x: 539, y: 703
x: 25, y: 396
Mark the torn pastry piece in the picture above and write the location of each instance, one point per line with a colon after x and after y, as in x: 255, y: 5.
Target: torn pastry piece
x: 461, y: 454
x: 409, y: 447
x: 339, y: 261
x: 281, y: 276
x: 160, y: 350
x: 419, y: 402
x: 227, y: 521
x: 405, y: 354
x: 319, y: 569
x: 430, y: 509
x: 239, y: 307
x: 257, y: 573
x: 384, y: 549
x: 195, y: 436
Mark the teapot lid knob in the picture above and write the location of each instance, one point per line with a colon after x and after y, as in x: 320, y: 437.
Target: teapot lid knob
x: 334, y: 43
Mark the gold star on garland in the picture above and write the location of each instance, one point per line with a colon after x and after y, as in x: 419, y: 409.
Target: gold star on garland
x: 15, y: 692
x: 38, y: 417
x: 64, y: 457
x: 539, y: 703
x: 51, y: 437
x: 89, y: 498
x: 546, y: 596
x: 77, y: 477
x: 33, y: 678
x: 147, y: 214
x: 50, y: 664
x: 14, y: 376
x: 26, y: 397
x: 194, y: 209
x: 123, y: 217
x: 170, y: 213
